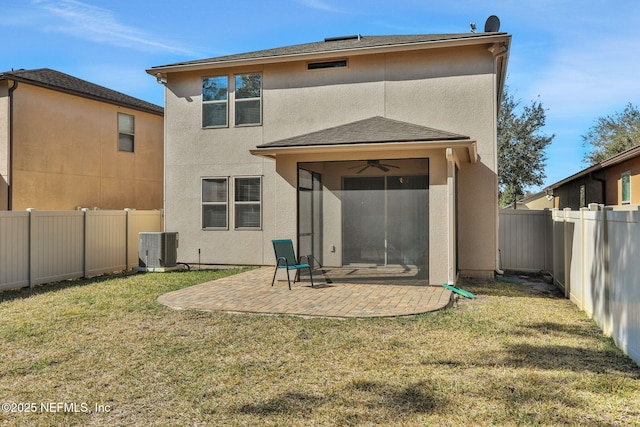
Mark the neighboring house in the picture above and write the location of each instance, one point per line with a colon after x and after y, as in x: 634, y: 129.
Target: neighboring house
x: 364, y: 150
x: 612, y: 182
x: 66, y: 143
x: 536, y: 202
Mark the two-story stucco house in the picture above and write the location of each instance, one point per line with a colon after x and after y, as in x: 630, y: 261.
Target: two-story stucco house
x: 364, y: 150
x: 67, y: 143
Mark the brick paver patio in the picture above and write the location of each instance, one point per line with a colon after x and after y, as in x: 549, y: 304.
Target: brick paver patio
x: 251, y: 292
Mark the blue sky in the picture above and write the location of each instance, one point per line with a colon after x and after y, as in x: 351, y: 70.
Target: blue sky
x: 579, y: 58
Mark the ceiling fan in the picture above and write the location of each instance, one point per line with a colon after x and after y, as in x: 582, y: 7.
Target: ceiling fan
x: 375, y: 164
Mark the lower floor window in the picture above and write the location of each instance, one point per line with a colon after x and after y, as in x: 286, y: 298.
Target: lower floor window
x: 214, y: 203
x: 246, y: 203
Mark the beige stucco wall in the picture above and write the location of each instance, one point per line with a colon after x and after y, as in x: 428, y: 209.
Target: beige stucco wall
x: 66, y: 154
x: 447, y: 89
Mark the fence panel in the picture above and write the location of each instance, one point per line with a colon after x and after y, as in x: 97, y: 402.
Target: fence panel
x: 573, y: 256
x: 523, y: 239
x: 57, y: 246
x: 624, y: 289
x: 47, y: 246
x: 105, y: 242
x: 558, y: 265
x: 593, y: 261
x: 140, y: 221
x: 14, y: 250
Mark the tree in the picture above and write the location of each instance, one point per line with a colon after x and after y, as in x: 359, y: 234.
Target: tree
x: 521, y: 145
x: 612, y: 135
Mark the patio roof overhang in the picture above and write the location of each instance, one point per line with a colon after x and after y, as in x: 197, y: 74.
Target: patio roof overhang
x: 369, y: 136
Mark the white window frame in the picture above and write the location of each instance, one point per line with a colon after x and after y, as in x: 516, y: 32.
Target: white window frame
x: 216, y: 203
x: 215, y: 102
x: 237, y: 100
x: 237, y: 203
x: 128, y: 132
x: 626, y: 174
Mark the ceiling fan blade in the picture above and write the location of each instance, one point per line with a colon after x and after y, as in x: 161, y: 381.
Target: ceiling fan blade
x: 382, y: 168
x: 366, y: 167
x: 391, y: 166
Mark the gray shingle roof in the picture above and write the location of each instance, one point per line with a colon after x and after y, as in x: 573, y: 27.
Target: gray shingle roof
x: 52, y: 79
x: 335, y: 44
x: 368, y: 131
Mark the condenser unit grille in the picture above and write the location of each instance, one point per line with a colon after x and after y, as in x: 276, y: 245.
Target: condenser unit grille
x: 158, y: 250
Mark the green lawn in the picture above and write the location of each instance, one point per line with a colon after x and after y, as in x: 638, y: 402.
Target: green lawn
x: 513, y: 356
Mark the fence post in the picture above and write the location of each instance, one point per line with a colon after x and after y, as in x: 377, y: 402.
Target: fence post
x: 85, y: 273
x: 126, y: 239
x: 565, y: 256
x: 606, y: 286
x: 30, y: 250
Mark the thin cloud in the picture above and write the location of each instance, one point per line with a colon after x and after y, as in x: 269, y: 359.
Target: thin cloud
x: 320, y: 5
x: 99, y: 25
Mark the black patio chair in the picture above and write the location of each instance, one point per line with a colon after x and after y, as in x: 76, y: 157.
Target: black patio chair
x: 286, y: 258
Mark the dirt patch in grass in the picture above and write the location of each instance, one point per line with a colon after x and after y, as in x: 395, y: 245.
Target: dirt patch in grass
x: 515, y: 355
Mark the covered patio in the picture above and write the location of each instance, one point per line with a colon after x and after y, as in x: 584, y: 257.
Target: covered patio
x: 376, y: 192
x: 336, y: 294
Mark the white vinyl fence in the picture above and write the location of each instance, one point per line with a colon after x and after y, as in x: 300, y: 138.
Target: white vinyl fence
x: 46, y: 246
x: 594, y: 256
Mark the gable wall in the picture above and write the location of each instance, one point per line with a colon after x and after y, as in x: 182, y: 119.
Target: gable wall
x: 66, y: 154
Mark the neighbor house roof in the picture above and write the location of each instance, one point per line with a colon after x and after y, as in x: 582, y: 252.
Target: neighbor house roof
x: 337, y: 46
x: 369, y: 133
x: 628, y: 154
x: 55, y: 80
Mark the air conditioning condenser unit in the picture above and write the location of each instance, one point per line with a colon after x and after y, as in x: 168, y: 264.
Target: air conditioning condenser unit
x: 157, y: 251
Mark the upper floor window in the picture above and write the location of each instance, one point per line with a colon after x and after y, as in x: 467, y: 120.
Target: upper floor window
x: 248, y: 99
x: 214, y: 101
x: 625, y: 179
x: 126, y: 132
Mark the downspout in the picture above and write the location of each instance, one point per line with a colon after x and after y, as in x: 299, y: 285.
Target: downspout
x: 499, y: 52
x: 451, y: 240
x: 10, y: 154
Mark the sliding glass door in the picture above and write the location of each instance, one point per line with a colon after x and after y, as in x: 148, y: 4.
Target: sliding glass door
x: 385, y: 220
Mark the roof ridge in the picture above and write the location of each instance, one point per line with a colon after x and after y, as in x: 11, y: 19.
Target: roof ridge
x: 333, y: 44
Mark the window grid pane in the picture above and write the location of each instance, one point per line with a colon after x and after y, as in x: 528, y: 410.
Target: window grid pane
x: 248, y: 112
x: 248, y: 215
x: 247, y: 189
x: 126, y: 123
x: 248, y: 86
x: 125, y: 142
x: 215, y: 88
x: 214, y: 216
x: 214, y: 190
x: 214, y: 114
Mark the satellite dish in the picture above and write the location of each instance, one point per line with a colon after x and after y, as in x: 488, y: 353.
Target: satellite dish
x: 492, y: 25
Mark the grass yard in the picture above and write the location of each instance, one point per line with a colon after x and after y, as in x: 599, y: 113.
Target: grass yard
x: 104, y: 352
